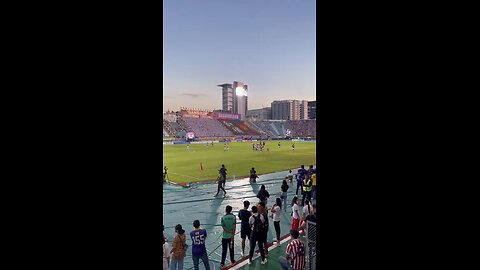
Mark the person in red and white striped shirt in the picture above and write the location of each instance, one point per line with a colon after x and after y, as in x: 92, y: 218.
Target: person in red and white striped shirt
x: 295, y: 252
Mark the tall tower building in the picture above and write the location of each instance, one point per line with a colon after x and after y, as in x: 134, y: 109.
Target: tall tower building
x: 312, y: 109
x: 227, y: 97
x: 235, y: 98
x: 289, y: 109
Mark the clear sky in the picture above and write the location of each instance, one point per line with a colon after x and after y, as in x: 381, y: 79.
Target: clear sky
x: 267, y: 44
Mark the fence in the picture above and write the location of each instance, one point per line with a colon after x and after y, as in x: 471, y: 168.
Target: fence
x: 311, y: 252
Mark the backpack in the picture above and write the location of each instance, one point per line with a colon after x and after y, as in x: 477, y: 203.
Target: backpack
x: 257, y: 226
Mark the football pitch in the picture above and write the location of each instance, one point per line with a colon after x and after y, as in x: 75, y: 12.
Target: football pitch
x: 184, y: 165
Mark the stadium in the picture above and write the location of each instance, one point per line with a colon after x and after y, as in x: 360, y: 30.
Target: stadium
x: 195, y: 145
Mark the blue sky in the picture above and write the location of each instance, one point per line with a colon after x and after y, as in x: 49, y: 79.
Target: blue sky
x: 267, y: 44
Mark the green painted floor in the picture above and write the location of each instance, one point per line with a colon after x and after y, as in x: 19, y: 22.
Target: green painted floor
x: 182, y: 205
x: 272, y: 260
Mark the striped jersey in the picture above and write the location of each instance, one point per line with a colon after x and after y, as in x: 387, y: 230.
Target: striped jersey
x: 296, y: 251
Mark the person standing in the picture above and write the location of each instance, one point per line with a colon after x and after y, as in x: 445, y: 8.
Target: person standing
x: 256, y: 223
x: 253, y: 175
x: 284, y: 189
x: 222, y: 176
x: 228, y: 224
x: 166, y: 253
x: 277, y: 211
x: 263, y: 211
x: 293, y: 147
x: 314, y: 185
x: 295, y: 214
x: 223, y: 172
x: 307, y: 210
x: 179, y: 248
x: 289, y: 176
x: 310, y: 171
x: 263, y: 194
x: 278, y: 145
x: 199, y: 251
x: 220, y: 186
x: 295, y: 254
x: 300, y: 177
x: 245, y: 230
x: 307, y: 189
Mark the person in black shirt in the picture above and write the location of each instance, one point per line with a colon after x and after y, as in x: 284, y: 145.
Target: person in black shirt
x: 221, y: 180
x: 263, y: 194
x: 223, y: 172
x: 283, y: 197
x: 256, y: 223
x: 263, y: 211
x: 253, y: 175
x: 220, y: 186
x: 245, y: 230
x: 312, y: 216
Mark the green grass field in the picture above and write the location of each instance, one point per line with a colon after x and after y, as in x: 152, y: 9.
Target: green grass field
x: 184, y: 166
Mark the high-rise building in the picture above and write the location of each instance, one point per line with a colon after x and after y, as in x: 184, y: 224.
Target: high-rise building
x: 289, y: 109
x: 227, y: 97
x: 235, y: 98
x: 312, y: 109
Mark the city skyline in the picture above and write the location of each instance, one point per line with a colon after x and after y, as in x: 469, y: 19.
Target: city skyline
x: 268, y: 45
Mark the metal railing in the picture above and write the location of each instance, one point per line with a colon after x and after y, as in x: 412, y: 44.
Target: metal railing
x: 311, y: 252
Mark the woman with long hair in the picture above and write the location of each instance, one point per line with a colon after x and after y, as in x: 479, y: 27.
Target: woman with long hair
x: 263, y: 194
x: 284, y: 189
x: 179, y: 248
x: 277, y: 211
x: 295, y: 215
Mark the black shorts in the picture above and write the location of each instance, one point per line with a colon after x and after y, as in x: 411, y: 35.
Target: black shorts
x: 245, y: 233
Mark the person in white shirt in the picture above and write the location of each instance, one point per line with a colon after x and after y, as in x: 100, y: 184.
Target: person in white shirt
x: 277, y: 211
x: 295, y: 214
x: 307, y: 209
x: 166, y: 252
x: 289, y: 176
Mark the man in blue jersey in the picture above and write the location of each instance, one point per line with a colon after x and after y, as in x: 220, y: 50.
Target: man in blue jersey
x: 300, y: 177
x: 199, y: 251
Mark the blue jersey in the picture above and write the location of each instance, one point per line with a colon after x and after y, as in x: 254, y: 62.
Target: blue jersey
x: 301, y: 175
x: 198, y: 242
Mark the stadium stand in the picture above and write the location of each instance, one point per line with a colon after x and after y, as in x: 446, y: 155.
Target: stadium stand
x: 206, y: 127
x: 238, y: 127
x: 303, y: 128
